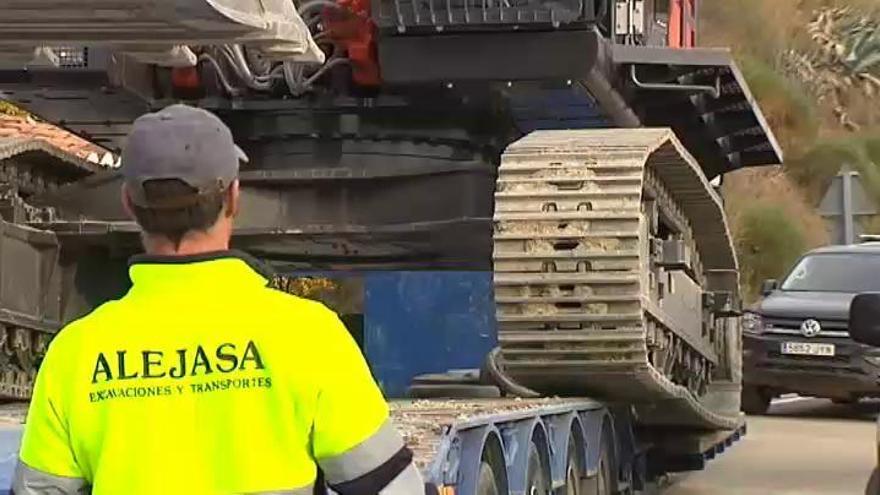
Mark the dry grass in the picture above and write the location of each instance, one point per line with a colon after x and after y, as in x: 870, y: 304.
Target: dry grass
x: 756, y: 28
x: 772, y: 223
x: 864, y: 109
x: 773, y: 186
x: 791, y: 111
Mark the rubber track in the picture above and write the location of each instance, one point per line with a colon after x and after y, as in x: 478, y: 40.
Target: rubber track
x: 25, y: 337
x: 25, y: 340
x: 571, y: 268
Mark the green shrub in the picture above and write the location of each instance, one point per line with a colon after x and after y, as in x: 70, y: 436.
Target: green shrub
x: 814, y: 169
x: 768, y: 243
x: 872, y: 144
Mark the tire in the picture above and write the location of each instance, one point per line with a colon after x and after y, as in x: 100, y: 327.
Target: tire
x: 755, y: 401
x: 845, y: 401
x: 603, y: 482
x: 486, y: 483
x: 575, y: 484
x: 605, y: 476
x: 873, y: 487
x: 537, y: 479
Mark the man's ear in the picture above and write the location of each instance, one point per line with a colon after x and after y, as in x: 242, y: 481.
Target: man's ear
x: 126, y: 202
x: 233, y: 199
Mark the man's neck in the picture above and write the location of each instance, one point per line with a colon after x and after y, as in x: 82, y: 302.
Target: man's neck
x: 189, y: 245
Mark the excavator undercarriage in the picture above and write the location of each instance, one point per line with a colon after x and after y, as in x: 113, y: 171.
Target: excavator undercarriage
x: 605, y: 245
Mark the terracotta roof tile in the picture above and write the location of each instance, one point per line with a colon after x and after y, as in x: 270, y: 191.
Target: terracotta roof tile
x: 66, y: 164
x: 28, y: 128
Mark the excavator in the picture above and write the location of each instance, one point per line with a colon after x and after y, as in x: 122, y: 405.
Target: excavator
x: 565, y: 152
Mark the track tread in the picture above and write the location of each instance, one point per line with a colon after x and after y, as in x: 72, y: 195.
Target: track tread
x: 574, y: 179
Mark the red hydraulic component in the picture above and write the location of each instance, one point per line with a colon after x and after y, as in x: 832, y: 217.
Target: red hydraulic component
x: 689, y: 23
x: 351, y: 28
x: 674, y: 34
x: 185, y: 78
x: 682, y: 23
x: 186, y: 83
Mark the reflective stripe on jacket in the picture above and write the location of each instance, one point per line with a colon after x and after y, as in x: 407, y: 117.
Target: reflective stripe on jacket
x: 202, y: 380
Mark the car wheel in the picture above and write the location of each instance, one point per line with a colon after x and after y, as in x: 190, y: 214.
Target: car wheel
x: 755, y: 400
x: 874, y: 483
x: 845, y: 401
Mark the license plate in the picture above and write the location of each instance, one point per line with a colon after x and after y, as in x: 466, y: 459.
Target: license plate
x: 808, y: 349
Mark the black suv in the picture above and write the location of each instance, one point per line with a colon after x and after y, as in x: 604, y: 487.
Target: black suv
x: 796, y: 338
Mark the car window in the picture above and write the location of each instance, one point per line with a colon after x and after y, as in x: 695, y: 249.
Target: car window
x: 835, y: 273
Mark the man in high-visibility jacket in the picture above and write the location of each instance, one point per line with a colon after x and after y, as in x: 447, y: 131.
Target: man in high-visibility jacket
x: 201, y: 379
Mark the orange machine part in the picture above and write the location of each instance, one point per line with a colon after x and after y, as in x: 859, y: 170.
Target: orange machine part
x: 675, y: 19
x: 690, y: 24
x: 185, y: 78
x: 682, y: 23
x: 351, y: 28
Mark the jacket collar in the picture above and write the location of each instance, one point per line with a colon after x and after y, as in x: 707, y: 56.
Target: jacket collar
x: 213, y: 269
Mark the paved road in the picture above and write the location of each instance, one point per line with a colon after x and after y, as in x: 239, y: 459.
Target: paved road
x: 804, y: 447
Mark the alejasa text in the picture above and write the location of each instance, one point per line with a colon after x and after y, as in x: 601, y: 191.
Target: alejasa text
x: 225, y: 358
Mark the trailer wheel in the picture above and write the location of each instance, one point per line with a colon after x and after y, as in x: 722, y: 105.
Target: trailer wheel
x: 537, y: 481
x: 486, y: 484
x: 574, y: 474
x: 603, y: 482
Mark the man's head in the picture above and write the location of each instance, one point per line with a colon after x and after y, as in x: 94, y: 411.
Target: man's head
x: 180, y: 167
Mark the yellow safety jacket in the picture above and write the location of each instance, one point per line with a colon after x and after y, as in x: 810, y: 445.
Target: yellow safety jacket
x: 202, y: 380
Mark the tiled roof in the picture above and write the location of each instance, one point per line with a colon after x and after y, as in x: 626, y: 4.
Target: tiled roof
x: 10, y: 147
x: 56, y: 141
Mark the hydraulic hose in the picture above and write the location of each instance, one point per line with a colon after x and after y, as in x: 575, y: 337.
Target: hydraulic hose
x: 324, y: 68
x: 235, y: 57
x: 220, y: 75
x: 505, y: 382
x: 296, y: 80
x: 293, y: 78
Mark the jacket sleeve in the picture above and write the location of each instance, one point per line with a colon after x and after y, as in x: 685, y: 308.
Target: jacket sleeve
x: 46, y: 461
x: 353, y: 439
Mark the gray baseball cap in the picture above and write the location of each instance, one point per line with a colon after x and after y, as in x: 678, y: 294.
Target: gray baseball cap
x: 180, y: 142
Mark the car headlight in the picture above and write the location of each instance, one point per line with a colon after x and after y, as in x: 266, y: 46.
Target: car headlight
x: 752, y: 323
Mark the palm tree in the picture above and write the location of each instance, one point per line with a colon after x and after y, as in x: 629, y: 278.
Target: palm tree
x: 849, y: 46
x: 843, y: 58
